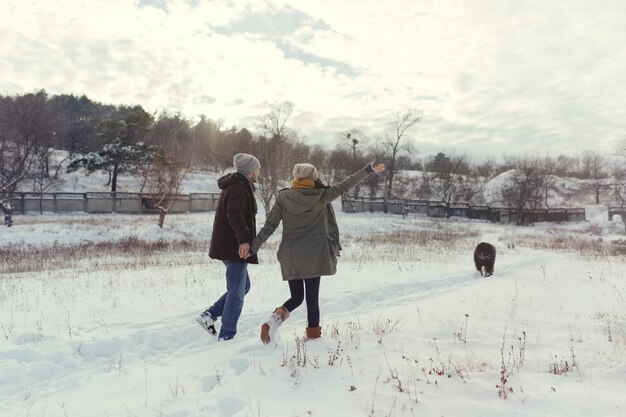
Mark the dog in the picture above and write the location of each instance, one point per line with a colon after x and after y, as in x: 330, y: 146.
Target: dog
x: 484, y: 258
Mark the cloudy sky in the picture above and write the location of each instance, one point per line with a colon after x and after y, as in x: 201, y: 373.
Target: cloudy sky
x: 506, y: 76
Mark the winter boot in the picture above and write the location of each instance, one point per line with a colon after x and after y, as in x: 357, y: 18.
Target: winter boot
x: 313, y: 332
x: 268, y: 329
x: 207, y: 323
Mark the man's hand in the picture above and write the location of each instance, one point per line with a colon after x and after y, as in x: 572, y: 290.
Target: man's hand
x: 244, y: 250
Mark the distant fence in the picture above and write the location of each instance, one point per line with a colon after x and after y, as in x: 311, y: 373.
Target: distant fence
x: 135, y: 203
x: 438, y: 209
x: 127, y: 203
x: 619, y: 211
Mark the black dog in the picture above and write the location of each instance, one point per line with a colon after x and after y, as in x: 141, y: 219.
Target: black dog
x: 484, y: 258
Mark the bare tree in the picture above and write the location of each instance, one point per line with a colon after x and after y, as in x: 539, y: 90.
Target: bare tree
x: 25, y: 124
x: 40, y: 172
x: 394, y: 143
x: 164, y: 178
x: 354, y: 140
x: 167, y: 165
x: 404, y: 186
x: 277, y: 157
x: 595, y: 169
x: 278, y: 152
x: 448, y: 184
x: 43, y: 155
x: 619, y: 179
x: 275, y: 120
x: 524, y: 187
x: 339, y: 164
x: 423, y: 187
x: 318, y: 156
x: 547, y: 169
x: 619, y: 184
x: 486, y: 168
x: 331, y: 165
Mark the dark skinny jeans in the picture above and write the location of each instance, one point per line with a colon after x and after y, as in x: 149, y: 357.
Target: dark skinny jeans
x: 297, y: 288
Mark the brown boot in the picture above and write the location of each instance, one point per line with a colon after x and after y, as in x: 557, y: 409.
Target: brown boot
x: 313, y: 332
x: 269, y: 327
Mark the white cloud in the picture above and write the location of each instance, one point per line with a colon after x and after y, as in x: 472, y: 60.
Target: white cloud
x: 512, y: 76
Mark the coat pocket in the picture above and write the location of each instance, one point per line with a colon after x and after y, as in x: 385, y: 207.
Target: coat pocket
x: 283, y: 253
x: 333, y: 247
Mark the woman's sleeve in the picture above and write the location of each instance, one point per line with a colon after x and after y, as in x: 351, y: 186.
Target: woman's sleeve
x: 344, y: 186
x: 271, y: 223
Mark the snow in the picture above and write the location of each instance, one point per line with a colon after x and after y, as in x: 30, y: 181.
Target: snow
x: 78, y: 182
x: 409, y: 327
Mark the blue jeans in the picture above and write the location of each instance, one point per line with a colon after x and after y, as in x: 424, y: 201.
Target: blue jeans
x: 229, y: 305
x: 297, y: 289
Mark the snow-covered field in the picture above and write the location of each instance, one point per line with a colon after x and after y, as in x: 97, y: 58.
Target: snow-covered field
x: 97, y: 319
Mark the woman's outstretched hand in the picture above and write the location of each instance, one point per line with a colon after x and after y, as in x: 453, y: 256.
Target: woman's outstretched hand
x: 377, y: 168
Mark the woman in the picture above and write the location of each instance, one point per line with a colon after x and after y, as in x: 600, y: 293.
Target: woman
x: 310, y: 242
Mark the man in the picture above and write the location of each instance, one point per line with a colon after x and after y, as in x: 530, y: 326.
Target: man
x: 234, y: 228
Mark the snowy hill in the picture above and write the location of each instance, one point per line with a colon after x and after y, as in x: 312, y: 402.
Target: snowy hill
x: 78, y: 182
x: 566, y: 192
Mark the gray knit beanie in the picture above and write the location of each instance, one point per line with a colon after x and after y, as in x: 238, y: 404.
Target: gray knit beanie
x: 305, y: 171
x: 245, y: 163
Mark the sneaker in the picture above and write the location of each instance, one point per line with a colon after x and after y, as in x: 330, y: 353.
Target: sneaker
x: 207, y: 323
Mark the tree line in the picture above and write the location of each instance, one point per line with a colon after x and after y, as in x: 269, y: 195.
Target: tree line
x: 161, y: 148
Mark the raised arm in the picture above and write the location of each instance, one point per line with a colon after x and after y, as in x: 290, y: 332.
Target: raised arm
x: 344, y: 186
x: 271, y: 223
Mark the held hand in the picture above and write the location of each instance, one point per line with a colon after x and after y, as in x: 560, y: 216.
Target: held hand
x: 244, y: 249
x: 377, y: 168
